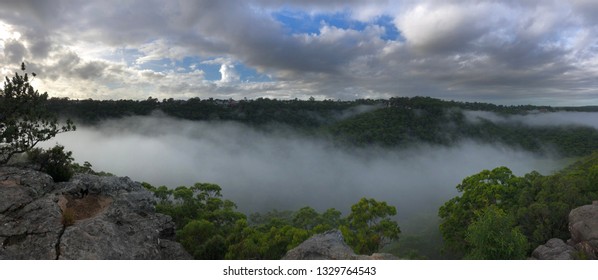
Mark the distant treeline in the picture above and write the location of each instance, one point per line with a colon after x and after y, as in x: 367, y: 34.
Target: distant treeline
x: 294, y: 112
x: 394, y: 122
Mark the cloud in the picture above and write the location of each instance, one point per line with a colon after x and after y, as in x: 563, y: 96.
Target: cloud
x: 284, y: 170
x: 439, y: 28
x: 228, y: 73
x: 499, y: 51
x: 14, y: 51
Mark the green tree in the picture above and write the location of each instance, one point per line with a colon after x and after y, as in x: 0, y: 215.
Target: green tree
x: 496, y: 187
x: 306, y: 218
x: 24, y: 120
x: 493, y: 236
x: 369, y: 226
x: 206, y: 221
x: 203, y: 240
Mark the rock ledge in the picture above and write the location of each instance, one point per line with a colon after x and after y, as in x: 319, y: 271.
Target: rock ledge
x: 89, y: 217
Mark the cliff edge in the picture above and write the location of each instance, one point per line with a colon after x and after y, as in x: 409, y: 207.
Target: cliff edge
x: 89, y: 217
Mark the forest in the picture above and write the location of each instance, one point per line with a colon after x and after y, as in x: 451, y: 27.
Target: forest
x: 521, y: 211
x: 395, y: 122
x: 495, y: 214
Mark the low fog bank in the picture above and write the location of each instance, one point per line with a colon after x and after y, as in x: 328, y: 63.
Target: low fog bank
x: 538, y: 119
x: 282, y: 170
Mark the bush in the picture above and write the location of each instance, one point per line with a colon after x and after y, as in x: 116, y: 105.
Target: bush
x: 55, y: 161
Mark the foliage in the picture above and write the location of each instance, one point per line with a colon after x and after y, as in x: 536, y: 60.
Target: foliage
x: 24, y: 120
x: 203, y: 240
x: 369, y: 226
x: 394, y: 122
x: 538, y: 205
x: 492, y: 236
x: 87, y: 168
x: 210, y: 228
x: 55, y: 161
x: 495, y: 187
x: 205, y: 220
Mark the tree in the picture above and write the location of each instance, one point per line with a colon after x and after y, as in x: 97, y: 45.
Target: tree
x: 369, y: 226
x: 306, y: 218
x: 203, y: 239
x: 493, y: 236
x: 24, y: 120
x: 496, y: 187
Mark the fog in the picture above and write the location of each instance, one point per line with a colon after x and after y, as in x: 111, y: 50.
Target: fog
x: 284, y: 170
x: 538, y: 119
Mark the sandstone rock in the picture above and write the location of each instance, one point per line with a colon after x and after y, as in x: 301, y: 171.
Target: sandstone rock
x: 583, y: 226
x: 554, y: 249
x: 89, y: 217
x: 583, y: 223
x: 329, y: 246
x: 325, y: 246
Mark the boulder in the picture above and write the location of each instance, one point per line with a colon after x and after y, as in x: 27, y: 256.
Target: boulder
x: 554, y: 249
x: 325, y: 246
x: 583, y: 225
x: 89, y: 217
x: 329, y: 246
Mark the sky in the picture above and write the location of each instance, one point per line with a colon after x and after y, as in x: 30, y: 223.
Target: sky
x: 504, y: 52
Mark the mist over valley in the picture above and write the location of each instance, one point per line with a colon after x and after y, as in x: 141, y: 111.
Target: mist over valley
x: 422, y: 129
x: 286, y: 170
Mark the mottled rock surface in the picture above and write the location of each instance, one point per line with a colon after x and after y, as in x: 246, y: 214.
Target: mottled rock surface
x: 89, y: 217
x: 554, y: 249
x: 329, y: 246
x: 583, y: 226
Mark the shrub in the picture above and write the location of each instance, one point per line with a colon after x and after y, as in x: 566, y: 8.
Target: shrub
x: 55, y: 161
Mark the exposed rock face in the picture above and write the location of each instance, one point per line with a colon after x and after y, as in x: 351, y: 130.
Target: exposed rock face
x: 329, y: 246
x: 583, y: 226
x: 554, y: 249
x: 89, y: 217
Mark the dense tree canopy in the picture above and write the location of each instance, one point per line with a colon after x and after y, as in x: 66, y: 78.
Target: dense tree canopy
x: 493, y: 236
x: 210, y: 228
x: 395, y: 122
x: 533, y: 205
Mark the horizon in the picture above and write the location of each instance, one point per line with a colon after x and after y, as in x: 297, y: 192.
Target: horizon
x: 499, y: 52
x: 327, y: 100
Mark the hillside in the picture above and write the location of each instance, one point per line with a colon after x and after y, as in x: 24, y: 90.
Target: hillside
x: 396, y: 122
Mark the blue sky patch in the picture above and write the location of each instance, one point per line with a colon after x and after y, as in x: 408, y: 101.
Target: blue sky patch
x: 298, y: 22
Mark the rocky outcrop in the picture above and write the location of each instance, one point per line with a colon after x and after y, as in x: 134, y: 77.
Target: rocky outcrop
x: 329, y: 246
x: 89, y: 217
x: 583, y: 226
x: 554, y: 249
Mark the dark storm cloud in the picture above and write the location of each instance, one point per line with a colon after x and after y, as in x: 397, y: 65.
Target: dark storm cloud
x: 14, y: 51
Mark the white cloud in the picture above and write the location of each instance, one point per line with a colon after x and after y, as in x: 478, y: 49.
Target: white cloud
x: 228, y: 73
x: 500, y: 51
